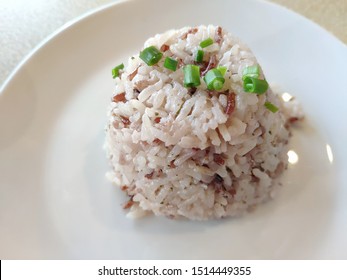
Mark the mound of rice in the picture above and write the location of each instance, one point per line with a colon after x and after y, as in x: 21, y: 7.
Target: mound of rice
x: 192, y: 152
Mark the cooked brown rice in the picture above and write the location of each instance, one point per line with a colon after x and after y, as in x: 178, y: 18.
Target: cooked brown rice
x: 177, y: 151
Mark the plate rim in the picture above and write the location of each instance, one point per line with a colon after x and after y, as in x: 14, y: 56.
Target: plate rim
x: 84, y: 16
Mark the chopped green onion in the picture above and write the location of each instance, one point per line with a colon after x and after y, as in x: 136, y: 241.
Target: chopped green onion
x: 115, y: 71
x: 151, y: 55
x: 222, y: 70
x: 206, y: 43
x: 199, y: 56
x: 255, y: 85
x: 214, y: 79
x: 271, y: 107
x: 191, y: 75
x: 251, y: 71
x: 170, y: 63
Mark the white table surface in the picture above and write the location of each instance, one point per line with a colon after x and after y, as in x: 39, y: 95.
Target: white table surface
x: 24, y: 24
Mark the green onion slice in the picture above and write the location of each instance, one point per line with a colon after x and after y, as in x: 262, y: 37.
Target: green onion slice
x: 214, y: 79
x: 115, y: 71
x: 222, y: 70
x: 199, y: 56
x: 170, y: 63
x: 151, y: 55
x: 251, y: 71
x: 271, y: 107
x: 254, y: 85
x: 191, y: 75
x: 206, y: 43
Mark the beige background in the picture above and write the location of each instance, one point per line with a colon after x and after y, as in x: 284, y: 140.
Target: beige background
x: 330, y: 14
x: 23, y: 23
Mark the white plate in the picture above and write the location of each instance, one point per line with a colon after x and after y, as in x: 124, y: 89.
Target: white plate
x: 55, y: 201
